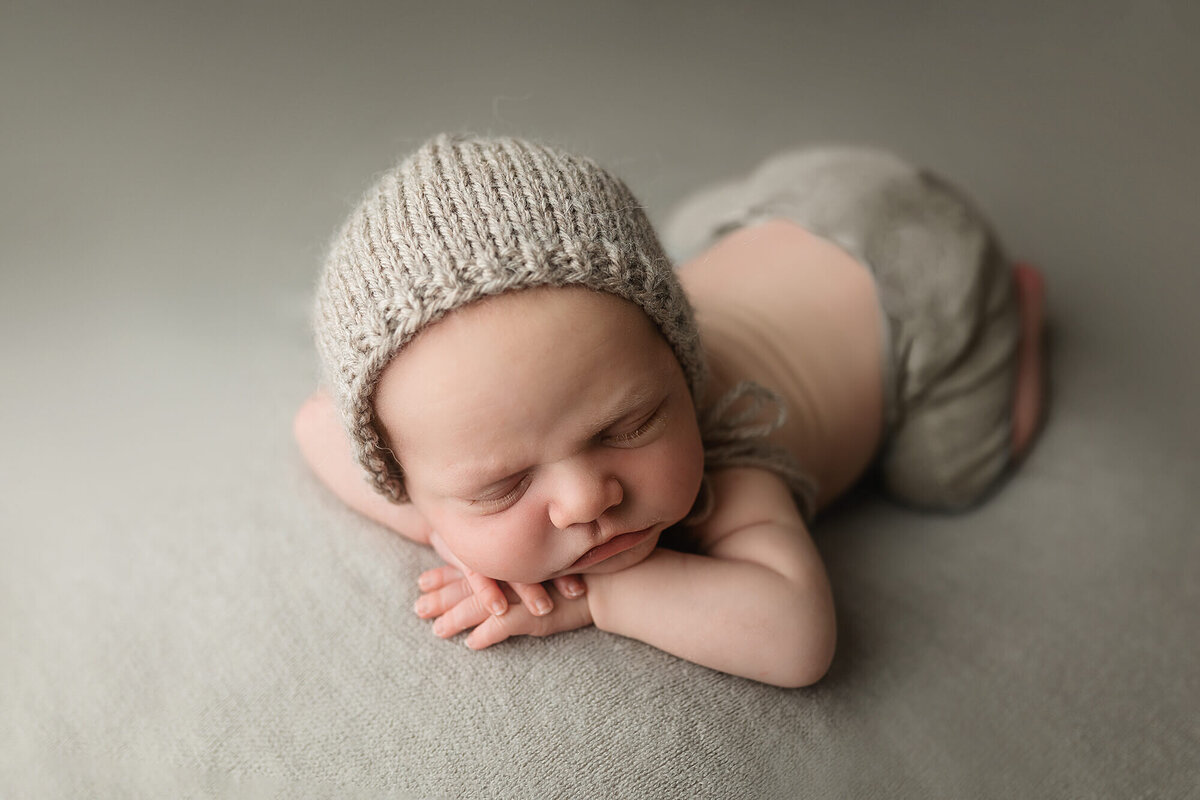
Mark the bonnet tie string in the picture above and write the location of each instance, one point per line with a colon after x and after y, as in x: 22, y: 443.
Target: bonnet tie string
x: 734, y: 430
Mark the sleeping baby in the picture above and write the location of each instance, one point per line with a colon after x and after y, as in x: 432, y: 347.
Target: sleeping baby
x: 514, y: 373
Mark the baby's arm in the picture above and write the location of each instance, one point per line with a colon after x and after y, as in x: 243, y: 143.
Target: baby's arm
x: 326, y: 448
x: 757, y: 603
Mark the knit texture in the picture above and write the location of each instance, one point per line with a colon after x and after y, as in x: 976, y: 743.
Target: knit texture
x: 465, y: 218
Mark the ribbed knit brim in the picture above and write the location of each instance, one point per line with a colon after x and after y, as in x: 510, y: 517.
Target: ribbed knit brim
x: 465, y: 218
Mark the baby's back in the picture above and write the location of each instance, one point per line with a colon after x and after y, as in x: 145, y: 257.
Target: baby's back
x: 784, y: 308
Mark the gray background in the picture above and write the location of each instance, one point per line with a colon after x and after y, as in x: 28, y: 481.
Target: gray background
x: 170, y: 174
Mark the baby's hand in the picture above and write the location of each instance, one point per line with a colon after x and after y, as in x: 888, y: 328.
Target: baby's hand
x: 450, y: 596
x: 487, y: 593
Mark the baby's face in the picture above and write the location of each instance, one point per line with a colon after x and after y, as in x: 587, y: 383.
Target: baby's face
x: 544, y: 432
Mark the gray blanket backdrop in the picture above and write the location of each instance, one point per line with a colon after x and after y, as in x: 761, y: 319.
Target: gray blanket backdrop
x: 185, y: 612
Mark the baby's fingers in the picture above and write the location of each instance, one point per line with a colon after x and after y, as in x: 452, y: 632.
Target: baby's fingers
x: 434, y: 579
x: 467, y: 614
x: 439, y: 601
x: 488, y: 593
x: 492, y: 630
x: 571, y: 586
x: 534, y: 597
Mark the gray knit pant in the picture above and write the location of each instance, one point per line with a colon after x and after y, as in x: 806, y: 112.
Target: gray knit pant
x: 946, y: 294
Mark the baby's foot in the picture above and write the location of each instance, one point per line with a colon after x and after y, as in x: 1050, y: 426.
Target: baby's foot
x: 1028, y: 399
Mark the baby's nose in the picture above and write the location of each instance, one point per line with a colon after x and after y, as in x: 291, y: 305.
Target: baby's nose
x: 583, y: 494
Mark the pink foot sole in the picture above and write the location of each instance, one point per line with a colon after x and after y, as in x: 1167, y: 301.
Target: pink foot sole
x: 1028, y: 400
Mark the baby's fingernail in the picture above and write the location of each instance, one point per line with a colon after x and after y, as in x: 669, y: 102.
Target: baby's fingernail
x: 498, y: 608
x: 575, y: 588
x: 542, y: 607
x: 421, y: 607
x: 439, y: 627
x: 425, y: 581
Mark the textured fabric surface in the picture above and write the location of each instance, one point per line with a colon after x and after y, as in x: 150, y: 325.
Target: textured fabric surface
x: 184, y: 612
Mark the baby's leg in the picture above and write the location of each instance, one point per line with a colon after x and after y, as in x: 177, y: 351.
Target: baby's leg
x: 1028, y: 399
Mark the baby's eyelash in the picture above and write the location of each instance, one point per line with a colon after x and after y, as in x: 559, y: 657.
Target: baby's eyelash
x: 641, y: 430
x: 505, y: 499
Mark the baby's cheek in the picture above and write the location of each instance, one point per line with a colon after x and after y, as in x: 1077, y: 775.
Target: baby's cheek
x: 504, y: 549
x: 682, y: 471
x: 467, y: 542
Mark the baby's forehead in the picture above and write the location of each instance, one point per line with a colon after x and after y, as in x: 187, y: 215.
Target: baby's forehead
x: 506, y: 339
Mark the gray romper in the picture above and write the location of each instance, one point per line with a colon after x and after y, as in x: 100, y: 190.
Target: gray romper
x: 946, y: 291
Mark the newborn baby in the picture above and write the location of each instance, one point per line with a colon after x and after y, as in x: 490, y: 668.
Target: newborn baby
x: 589, y: 436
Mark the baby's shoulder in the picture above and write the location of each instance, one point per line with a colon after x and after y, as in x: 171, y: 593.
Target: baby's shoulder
x: 741, y: 498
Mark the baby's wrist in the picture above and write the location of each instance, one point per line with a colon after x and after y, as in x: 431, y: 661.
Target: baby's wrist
x: 597, y: 591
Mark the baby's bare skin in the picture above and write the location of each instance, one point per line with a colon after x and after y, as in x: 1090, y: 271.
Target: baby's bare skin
x: 791, y: 311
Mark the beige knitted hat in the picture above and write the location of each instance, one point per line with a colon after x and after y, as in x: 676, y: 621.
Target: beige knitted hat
x: 464, y: 218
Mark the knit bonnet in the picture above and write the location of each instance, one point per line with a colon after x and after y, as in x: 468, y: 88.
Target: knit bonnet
x: 465, y: 218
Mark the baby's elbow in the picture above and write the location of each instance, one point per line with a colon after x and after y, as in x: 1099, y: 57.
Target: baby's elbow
x: 801, y: 665
x: 805, y: 654
x: 316, y: 428
x: 304, y: 422
x: 807, y: 667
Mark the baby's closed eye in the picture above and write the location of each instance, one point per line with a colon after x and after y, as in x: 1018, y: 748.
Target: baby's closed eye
x: 500, y: 497
x: 639, y: 429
